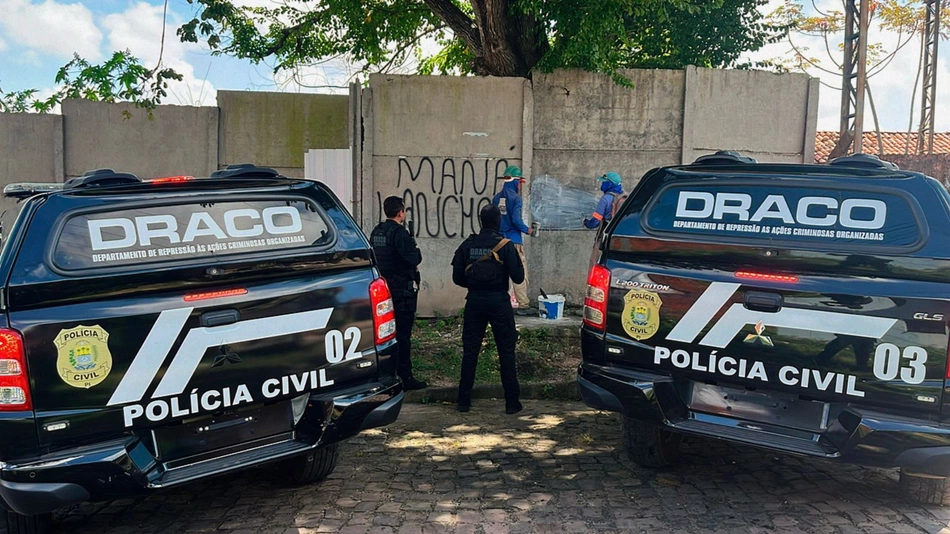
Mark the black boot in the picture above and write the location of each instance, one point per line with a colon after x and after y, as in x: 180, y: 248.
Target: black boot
x: 411, y: 383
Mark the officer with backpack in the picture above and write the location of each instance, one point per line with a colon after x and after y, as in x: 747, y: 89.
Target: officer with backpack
x: 609, y: 203
x: 484, y: 263
x: 398, y: 259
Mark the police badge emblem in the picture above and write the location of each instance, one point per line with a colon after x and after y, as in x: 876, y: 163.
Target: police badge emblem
x: 83, y: 357
x: 641, y: 313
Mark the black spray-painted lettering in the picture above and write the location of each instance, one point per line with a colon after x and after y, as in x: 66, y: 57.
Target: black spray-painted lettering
x: 444, y: 195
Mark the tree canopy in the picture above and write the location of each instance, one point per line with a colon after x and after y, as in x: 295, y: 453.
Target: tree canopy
x: 488, y: 37
x: 481, y: 37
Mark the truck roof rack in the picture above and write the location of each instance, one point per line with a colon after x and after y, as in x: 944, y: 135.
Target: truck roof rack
x: 864, y: 161
x: 26, y: 190
x: 101, y: 177
x: 245, y: 170
x: 723, y: 157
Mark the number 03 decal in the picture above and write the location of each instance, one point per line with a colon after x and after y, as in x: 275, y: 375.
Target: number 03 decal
x: 334, y: 344
x: 890, y: 361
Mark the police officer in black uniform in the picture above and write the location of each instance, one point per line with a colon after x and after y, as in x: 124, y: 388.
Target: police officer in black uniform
x: 398, y: 259
x: 488, y: 303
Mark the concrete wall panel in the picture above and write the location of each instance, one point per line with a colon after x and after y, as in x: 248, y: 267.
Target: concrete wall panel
x: 178, y: 140
x: 31, y: 150
x: 760, y: 114
x: 31, y: 147
x: 277, y: 129
x: 447, y: 116
x: 580, y: 110
x: 439, y: 142
x: 586, y: 125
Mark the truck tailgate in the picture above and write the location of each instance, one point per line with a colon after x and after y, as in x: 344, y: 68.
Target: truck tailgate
x: 815, y: 338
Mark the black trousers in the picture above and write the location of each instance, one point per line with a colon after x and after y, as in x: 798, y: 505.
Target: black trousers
x: 405, y: 309
x: 480, y: 311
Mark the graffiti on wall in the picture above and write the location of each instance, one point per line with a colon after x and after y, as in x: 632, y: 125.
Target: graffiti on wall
x: 558, y: 207
x: 444, y: 195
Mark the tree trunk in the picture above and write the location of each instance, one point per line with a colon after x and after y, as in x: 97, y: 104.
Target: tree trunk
x: 503, y: 43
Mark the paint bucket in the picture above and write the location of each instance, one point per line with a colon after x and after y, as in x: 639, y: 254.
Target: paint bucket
x: 551, y: 307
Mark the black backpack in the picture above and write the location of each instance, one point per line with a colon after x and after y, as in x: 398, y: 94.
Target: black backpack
x: 487, y: 268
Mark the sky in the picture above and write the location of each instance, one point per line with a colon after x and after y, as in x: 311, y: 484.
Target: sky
x: 39, y: 36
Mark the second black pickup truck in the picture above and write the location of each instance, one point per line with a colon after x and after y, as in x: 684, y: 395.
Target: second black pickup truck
x: 157, y: 332
x: 801, y: 308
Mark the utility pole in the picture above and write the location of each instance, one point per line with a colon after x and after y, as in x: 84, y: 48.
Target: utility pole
x: 853, y: 78
x: 925, y: 136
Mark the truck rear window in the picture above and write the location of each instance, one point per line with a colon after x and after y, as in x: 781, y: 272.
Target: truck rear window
x: 182, y: 232
x: 811, y: 215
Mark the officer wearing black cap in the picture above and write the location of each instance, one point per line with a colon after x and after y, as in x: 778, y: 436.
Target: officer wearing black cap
x: 484, y: 263
x: 398, y: 259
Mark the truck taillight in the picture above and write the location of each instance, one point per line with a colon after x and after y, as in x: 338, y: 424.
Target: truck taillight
x: 384, y: 313
x: 595, y: 305
x: 14, y: 382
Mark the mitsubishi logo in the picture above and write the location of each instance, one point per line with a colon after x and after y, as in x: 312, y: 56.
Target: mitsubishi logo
x: 757, y: 338
x: 225, y: 354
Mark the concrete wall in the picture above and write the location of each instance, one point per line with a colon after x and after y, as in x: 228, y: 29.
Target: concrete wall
x: 176, y: 140
x: 31, y: 150
x: 771, y: 117
x: 277, y: 129
x: 584, y: 126
x: 440, y: 143
x: 269, y: 129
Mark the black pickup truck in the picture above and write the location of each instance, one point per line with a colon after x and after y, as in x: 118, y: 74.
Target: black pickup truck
x: 157, y: 332
x: 800, y: 308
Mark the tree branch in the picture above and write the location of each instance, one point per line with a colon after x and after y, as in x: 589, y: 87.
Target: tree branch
x: 461, y: 24
x: 281, y: 41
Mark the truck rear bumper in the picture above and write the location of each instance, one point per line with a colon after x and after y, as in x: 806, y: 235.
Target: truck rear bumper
x: 128, y: 466
x: 857, y: 435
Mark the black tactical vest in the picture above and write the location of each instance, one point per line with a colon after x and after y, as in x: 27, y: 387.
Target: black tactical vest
x: 390, y: 263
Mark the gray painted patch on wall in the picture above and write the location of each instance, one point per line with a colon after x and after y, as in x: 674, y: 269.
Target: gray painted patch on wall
x: 558, y: 207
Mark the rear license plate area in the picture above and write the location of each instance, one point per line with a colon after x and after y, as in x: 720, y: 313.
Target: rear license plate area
x: 773, y: 408
x: 205, y: 434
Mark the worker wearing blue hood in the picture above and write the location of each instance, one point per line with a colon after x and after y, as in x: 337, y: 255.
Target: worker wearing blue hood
x: 612, y: 199
x: 510, y: 203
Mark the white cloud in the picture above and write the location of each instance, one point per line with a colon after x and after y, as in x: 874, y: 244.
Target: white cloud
x: 53, y: 28
x: 139, y: 29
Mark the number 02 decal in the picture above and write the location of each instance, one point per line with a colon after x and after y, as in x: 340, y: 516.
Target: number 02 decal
x: 334, y: 345
x: 890, y: 361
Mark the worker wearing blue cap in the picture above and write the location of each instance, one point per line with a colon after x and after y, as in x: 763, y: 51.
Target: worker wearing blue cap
x: 609, y: 203
x: 510, y: 203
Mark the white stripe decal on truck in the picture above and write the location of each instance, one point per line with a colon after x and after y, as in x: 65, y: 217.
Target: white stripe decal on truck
x: 738, y: 317
x: 199, y: 340
x: 702, y: 311
x: 150, y: 357
x: 168, y: 328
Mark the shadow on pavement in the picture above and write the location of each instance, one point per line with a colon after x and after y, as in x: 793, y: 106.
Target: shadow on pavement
x: 556, y: 467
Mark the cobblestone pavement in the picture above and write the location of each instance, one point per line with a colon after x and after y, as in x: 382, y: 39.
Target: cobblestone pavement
x: 556, y: 467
